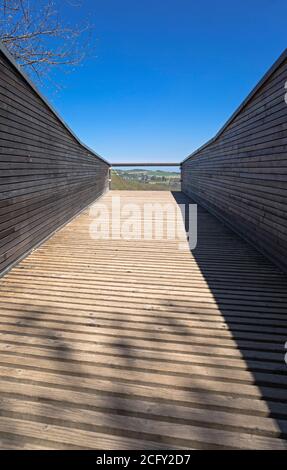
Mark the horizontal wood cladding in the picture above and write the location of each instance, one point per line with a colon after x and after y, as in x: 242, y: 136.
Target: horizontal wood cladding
x: 46, y: 175
x: 241, y: 174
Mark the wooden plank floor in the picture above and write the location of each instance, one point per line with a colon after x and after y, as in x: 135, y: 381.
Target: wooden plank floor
x: 136, y: 344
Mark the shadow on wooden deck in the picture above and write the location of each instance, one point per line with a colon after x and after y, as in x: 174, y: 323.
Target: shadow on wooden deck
x: 251, y: 295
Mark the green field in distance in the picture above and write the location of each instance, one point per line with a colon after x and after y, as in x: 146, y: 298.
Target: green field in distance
x: 145, y: 179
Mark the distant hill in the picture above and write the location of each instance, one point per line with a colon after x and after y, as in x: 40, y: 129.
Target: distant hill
x: 150, y: 180
x: 148, y: 172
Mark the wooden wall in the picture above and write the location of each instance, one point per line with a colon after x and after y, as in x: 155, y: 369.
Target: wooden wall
x: 241, y: 174
x: 46, y: 175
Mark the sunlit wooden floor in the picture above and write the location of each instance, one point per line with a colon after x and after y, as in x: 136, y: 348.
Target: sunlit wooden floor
x: 137, y: 344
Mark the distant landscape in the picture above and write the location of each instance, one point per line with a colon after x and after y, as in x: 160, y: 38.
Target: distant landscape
x: 145, y: 179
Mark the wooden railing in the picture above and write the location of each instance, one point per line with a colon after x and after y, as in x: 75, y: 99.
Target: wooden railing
x: 241, y: 174
x: 46, y: 174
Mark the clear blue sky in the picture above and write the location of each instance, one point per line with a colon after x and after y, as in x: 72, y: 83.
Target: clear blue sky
x: 168, y: 73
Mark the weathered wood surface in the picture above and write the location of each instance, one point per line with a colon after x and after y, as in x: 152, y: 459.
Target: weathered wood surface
x: 46, y: 175
x: 241, y: 175
x: 113, y: 344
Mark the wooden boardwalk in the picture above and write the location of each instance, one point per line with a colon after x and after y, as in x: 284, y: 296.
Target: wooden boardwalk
x: 136, y: 344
